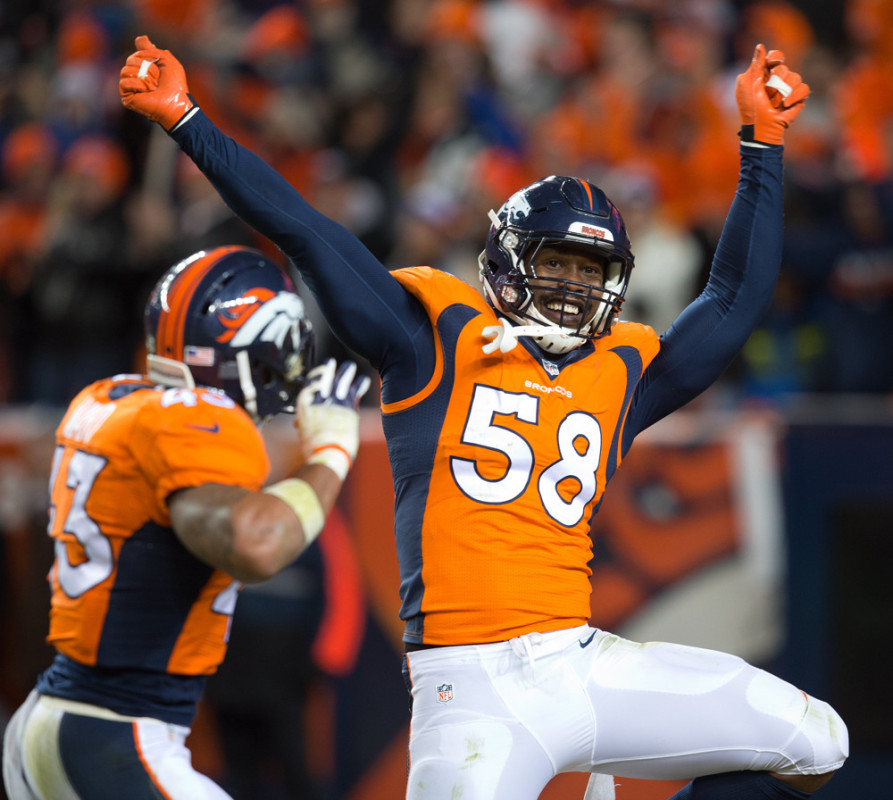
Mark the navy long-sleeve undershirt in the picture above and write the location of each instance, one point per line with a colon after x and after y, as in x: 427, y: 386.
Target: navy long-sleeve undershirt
x: 371, y: 313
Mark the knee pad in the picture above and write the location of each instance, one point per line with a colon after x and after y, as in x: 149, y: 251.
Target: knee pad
x: 827, y: 733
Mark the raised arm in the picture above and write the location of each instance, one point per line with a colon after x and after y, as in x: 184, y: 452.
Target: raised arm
x: 364, y: 305
x: 253, y: 535
x: 710, y: 332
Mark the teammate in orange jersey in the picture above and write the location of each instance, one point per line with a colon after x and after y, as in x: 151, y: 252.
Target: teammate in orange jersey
x: 506, y: 414
x: 158, y: 515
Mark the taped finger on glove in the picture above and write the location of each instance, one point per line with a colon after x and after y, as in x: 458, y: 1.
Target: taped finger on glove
x: 793, y: 89
x: 153, y: 84
x: 778, y: 83
x: 143, y: 71
x: 137, y: 58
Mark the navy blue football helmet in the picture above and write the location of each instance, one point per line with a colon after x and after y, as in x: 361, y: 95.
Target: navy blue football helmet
x: 556, y: 211
x: 230, y: 319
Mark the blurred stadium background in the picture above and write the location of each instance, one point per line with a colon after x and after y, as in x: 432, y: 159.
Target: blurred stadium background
x: 757, y: 520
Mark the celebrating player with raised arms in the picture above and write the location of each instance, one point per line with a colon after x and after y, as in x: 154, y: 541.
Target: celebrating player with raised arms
x: 506, y: 413
x: 159, y: 514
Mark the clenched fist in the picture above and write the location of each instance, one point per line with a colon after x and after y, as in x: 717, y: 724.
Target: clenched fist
x: 153, y: 83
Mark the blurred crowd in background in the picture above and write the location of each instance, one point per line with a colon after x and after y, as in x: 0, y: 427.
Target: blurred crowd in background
x: 407, y: 120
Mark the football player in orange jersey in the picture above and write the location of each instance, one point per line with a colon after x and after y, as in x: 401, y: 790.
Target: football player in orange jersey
x: 159, y: 513
x: 506, y: 414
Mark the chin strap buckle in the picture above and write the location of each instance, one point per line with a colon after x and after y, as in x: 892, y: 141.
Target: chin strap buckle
x: 505, y: 335
x: 502, y: 335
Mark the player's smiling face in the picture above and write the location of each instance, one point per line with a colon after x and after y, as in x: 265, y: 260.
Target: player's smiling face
x: 567, y: 308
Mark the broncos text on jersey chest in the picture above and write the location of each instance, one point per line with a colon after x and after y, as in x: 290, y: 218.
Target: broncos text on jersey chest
x: 508, y: 464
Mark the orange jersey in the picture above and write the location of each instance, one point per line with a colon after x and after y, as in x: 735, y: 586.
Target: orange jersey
x: 509, y: 461
x: 126, y: 594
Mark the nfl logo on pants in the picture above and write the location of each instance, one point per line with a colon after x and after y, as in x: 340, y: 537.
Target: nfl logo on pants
x: 444, y: 693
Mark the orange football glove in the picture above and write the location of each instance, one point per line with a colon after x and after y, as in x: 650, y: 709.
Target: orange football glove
x: 769, y: 97
x: 153, y: 83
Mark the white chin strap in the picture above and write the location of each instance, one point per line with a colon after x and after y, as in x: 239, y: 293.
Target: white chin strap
x: 547, y: 337
x: 249, y: 392
x: 168, y: 372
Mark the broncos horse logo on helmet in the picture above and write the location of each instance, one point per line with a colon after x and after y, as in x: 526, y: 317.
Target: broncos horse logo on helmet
x: 230, y: 319
x: 556, y: 211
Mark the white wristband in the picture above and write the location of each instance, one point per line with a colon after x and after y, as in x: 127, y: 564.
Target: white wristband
x: 333, y: 456
x: 302, y: 499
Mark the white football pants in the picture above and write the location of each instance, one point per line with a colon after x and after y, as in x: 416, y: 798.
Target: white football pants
x: 498, y: 721
x: 60, y: 750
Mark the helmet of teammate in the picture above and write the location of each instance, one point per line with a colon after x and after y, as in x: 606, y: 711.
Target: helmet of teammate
x: 556, y: 211
x: 230, y: 319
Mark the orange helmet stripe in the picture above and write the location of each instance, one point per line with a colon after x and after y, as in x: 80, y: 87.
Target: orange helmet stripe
x: 172, y: 319
x: 588, y: 194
